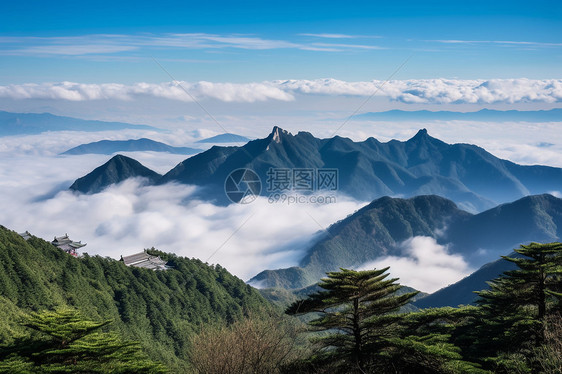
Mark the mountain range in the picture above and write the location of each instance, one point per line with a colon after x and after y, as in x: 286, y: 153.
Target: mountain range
x: 36, y: 123
x: 488, y: 115
x: 107, y: 147
x: 463, y: 291
x: 466, y: 174
x: 380, y: 228
x: 225, y: 138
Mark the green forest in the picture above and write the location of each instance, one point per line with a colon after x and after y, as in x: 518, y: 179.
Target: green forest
x: 62, y: 314
x: 161, y: 310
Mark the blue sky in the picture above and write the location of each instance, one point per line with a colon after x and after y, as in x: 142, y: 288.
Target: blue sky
x: 251, y: 41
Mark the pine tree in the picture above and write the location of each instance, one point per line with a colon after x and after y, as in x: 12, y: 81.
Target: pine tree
x: 354, y: 308
x: 515, y: 308
x: 425, y: 342
x: 67, y: 342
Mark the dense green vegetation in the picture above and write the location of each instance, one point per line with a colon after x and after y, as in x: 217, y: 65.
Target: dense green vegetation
x: 358, y: 310
x: 93, y: 314
x: 516, y: 327
x: 159, y: 309
x: 516, y: 314
x: 64, y: 341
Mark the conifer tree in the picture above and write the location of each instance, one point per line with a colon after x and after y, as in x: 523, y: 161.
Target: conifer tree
x: 67, y: 342
x: 364, y: 331
x: 515, y: 308
x: 354, y: 308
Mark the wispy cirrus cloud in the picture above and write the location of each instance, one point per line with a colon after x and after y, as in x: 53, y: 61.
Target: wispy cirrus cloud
x: 338, y: 36
x: 349, y: 46
x: 497, y: 42
x: 116, y: 43
x: 413, y: 91
x: 330, y: 36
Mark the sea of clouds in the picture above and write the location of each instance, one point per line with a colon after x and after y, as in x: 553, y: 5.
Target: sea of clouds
x: 246, y: 239
x: 440, y: 91
x: 129, y: 217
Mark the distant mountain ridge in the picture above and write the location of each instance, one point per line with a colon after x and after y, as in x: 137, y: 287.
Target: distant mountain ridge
x: 36, y: 123
x: 116, y: 170
x: 378, y: 229
x: 225, y: 138
x: 107, y: 147
x: 552, y: 115
x: 462, y: 292
x: 464, y: 173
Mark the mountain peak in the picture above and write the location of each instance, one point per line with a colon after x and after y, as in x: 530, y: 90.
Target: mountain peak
x: 277, y: 133
x: 422, y: 133
x: 116, y: 170
x: 422, y: 137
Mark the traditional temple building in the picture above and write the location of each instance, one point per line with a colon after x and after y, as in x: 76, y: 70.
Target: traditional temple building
x: 64, y: 243
x: 144, y: 260
x: 26, y: 235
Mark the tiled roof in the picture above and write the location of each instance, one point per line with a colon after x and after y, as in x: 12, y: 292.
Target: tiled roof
x: 144, y: 260
x: 59, y: 241
x: 26, y: 235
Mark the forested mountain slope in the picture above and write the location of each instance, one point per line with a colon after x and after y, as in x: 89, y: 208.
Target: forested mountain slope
x: 161, y: 309
x: 379, y: 228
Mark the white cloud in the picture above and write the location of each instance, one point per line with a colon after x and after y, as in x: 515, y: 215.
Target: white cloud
x: 425, y: 91
x: 557, y: 194
x: 70, y: 91
x: 439, y: 91
x: 128, y: 217
x: 425, y: 266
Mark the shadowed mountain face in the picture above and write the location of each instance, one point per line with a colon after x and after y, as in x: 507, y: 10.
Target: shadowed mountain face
x: 466, y: 174
x: 107, y: 147
x: 462, y: 292
x: 116, y: 170
x: 473, y: 178
x: 379, y: 228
